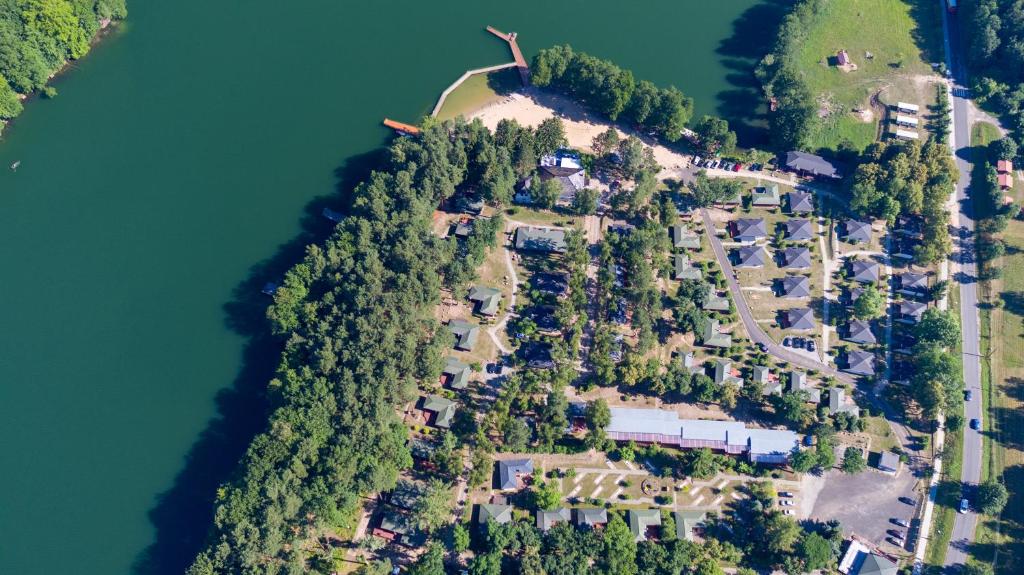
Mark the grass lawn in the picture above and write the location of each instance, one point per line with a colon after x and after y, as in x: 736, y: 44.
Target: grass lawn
x: 903, y: 36
x: 478, y: 91
x: 542, y: 217
x: 1002, y: 328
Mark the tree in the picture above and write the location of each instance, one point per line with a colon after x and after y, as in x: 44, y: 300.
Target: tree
x: 870, y: 304
x: 430, y: 563
x: 432, y: 508
x: 545, y: 193
x: 584, y: 202
x: 707, y: 191
x: 550, y: 136
x: 517, y: 434
x: 938, y: 327
x: 992, y: 497
x: 803, y: 461
x: 547, y: 496
x: 853, y: 461
x: 700, y: 463
x: 974, y: 568
x: 714, y: 136
x: 636, y: 159
x: 815, y: 551
x: 619, y: 554
x: 460, y: 538
x: 1003, y: 149
x: 598, y: 414
x: 606, y: 142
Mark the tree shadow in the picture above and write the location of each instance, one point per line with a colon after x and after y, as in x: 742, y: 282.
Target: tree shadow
x: 753, y: 36
x: 182, y: 515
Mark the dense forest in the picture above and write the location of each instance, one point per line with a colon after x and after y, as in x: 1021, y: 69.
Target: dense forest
x: 37, y: 37
x: 356, y: 318
x: 608, y: 89
x: 755, y: 535
x: 995, y: 52
x: 782, y: 83
x: 908, y: 178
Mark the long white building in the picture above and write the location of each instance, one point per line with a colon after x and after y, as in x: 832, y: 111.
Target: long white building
x: 733, y: 437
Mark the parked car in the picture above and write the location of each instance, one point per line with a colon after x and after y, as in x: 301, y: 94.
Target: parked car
x: 968, y: 395
x: 786, y: 341
x: 895, y: 533
x: 762, y: 346
x: 737, y: 167
x: 755, y: 167
x: 810, y: 345
x: 697, y: 160
x: 785, y: 494
x: 785, y: 502
x: 964, y: 505
x: 896, y: 542
x: 901, y: 522
x: 975, y: 424
x: 798, y: 342
x: 907, y: 500
x: 788, y: 512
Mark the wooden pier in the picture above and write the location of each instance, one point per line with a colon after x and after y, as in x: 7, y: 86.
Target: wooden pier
x: 402, y: 127
x: 517, y: 54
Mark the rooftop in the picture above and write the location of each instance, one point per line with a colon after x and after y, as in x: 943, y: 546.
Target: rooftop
x: 509, y: 471
x: 749, y: 229
x: 749, y: 257
x: 799, y: 230
x: 797, y: 258
x: 457, y: 373
x: 531, y: 238
x: 443, y: 409
x: 465, y: 334
x: 766, y: 196
x: 860, y: 362
x: 795, y: 286
x: 684, y: 269
x: 711, y: 337
x: 494, y: 512
x: 640, y: 520
x: 859, y: 331
x: 486, y: 298
x: 810, y: 164
x: 547, y: 519
x: 801, y: 202
x: 857, y: 231
x: 799, y: 318
x: 864, y: 271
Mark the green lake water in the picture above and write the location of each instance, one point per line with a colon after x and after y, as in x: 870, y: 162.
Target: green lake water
x: 184, y: 164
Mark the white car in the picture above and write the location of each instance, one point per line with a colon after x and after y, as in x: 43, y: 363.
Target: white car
x: 788, y: 512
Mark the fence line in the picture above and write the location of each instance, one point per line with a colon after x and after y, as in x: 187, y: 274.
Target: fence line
x: 463, y: 78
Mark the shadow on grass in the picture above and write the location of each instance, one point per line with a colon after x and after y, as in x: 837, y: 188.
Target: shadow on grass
x: 182, y: 515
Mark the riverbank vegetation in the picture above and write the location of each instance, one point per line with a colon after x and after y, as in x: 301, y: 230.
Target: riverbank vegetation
x: 823, y: 107
x: 356, y: 316
x: 38, y: 37
x: 609, y: 90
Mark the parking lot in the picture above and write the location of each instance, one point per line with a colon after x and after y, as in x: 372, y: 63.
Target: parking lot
x: 865, y: 503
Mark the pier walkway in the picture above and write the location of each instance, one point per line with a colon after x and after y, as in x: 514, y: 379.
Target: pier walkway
x: 517, y: 54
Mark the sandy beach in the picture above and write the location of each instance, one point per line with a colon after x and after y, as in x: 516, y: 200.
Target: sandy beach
x: 530, y: 108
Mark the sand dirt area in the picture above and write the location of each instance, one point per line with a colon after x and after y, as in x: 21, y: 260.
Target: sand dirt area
x: 531, y: 107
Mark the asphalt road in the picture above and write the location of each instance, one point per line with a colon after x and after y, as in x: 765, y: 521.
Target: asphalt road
x: 966, y: 275
x: 753, y: 328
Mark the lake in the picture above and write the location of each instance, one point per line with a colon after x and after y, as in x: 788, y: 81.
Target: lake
x: 185, y: 164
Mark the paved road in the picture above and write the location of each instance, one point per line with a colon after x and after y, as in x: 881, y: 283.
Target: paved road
x: 753, y: 329
x: 963, y: 528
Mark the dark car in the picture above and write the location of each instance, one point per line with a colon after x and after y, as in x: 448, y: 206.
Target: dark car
x: 907, y: 500
x: 762, y: 346
x: 901, y: 522
x: 810, y: 345
x: 896, y: 542
x: 895, y: 533
x: 798, y: 342
x: 786, y: 341
x: 975, y: 424
x: 968, y: 395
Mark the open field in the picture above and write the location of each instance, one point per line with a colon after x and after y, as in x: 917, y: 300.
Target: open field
x: 478, y: 91
x: 902, y: 38
x: 1003, y: 391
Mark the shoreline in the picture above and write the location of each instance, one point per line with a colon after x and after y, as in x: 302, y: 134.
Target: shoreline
x: 107, y: 28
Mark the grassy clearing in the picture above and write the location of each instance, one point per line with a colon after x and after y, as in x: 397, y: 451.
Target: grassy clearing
x: 999, y: 541
x: 478, y: 91
x: 948, y: 496
x: 903, y: 36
